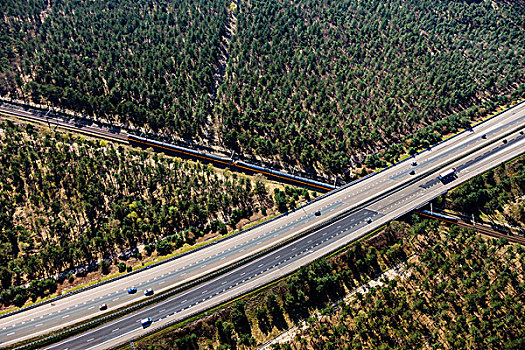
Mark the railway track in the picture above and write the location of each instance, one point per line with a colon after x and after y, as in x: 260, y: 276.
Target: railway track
x: 481, y: 229
x: 76, y: 125
x: 91, y: 128
x: 493, y: 233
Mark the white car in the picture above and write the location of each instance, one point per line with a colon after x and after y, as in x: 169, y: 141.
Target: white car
x: 146, y: 322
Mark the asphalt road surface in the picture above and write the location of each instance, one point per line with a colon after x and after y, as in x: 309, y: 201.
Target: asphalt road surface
x: 295, y: 254
x: 85, y: 305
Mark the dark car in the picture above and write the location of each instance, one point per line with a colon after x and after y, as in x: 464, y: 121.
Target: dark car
x: 412, y: 172
x: 132, y: 290
x: 505, y: 141
x: 148, y: 291
x: 103, y: 307
x: 414, y: 163
x: 369, y: 220
x: 484, y: 136
x: 318, y: 213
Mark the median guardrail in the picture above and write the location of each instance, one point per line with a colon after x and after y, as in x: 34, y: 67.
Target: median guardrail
x: 233, y: 266
x: 261, y: 223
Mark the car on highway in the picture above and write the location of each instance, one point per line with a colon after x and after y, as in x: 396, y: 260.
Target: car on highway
x: 369, y: 220
x: 414, y: 163
x: 103, y: 307
x: 484, y: 136
x: 505, y: 141
x: 522, y: 132
x: 148, y: 291
x: 146, y: 322
x: 317, y: 213
x: 132, y: 290
x: 412, y: 172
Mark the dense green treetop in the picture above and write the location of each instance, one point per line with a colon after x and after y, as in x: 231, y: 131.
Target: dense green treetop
x: 149, y: 62
x: 321, y: 80
x: 316, y: 83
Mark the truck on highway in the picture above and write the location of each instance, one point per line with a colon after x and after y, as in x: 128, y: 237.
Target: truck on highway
x: 447, y: 175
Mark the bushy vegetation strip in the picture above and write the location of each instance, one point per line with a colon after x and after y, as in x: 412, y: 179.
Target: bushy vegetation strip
x: 463, y: 291
x: 437, y: 303
x: 272, y: 309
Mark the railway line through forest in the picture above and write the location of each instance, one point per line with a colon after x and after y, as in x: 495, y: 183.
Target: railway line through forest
x: 121, y: 135
x: 361, y: 207
x: 479, y: 228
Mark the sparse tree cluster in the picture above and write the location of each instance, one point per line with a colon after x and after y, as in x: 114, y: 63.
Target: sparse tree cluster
x: 67, y: 201
x: 463, y: 292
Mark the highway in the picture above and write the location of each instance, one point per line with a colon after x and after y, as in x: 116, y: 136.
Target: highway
x: 84, y: 305
x: 297, y: 253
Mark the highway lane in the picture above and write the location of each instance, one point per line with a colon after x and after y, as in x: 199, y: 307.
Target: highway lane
x: 297, y: 253
x: 85, y: 305
x: 228, y: 281
x: 90, y: 307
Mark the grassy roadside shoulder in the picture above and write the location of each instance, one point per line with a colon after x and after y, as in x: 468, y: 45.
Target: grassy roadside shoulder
x: 140, y: 266
x: 280, y: 318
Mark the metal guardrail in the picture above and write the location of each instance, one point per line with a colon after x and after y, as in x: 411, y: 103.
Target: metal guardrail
x: 157, y: 329
x: 253, y: 227
x: 218, y: 272
x: 240, y: 293
x: 420, y: 152
x: 207, y: 277
x: 176, y: 290
x: 246, y: 260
